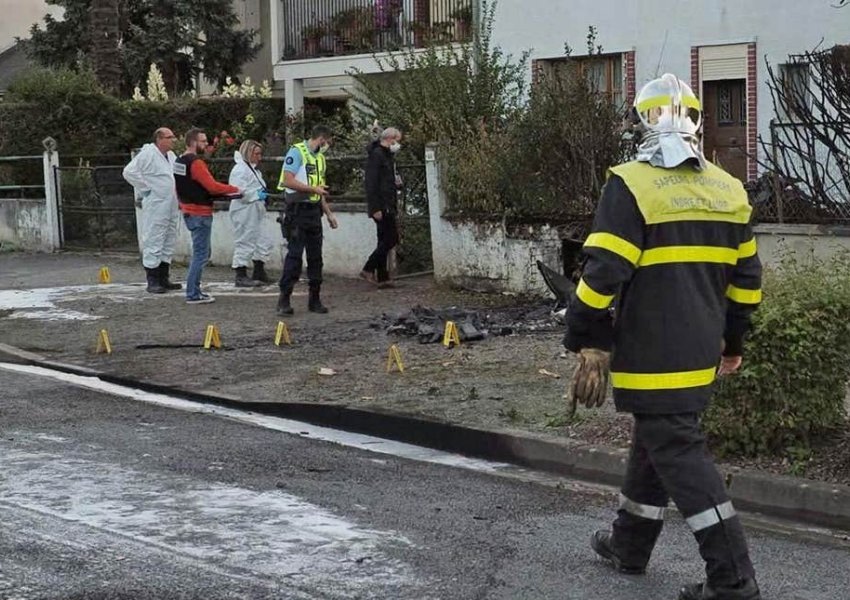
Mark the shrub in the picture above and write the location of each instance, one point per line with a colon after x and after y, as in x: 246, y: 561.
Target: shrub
x: 547, y: 164
x: 71, y: 108
x: 792, y: 386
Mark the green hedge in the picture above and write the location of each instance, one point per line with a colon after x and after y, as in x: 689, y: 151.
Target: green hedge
x: 99, y: 124
x: 792, y: 387
x: 71, y: 108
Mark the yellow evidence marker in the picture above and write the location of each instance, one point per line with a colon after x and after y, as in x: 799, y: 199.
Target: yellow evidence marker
x: 282, y: 335
x: 451, y: 335
x: 212, y: 337
x: 394, y: 356
x: 103, y: 276
x: 103, y: 344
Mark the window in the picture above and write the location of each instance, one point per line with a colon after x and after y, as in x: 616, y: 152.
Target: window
x: 726, y: 102
x: 796, y: 98
x: 604, y: 71
x: 724, y: 105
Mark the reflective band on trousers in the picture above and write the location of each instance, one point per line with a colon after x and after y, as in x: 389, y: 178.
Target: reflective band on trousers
x: 647, y: 511
x: 663, y: 381
x: 711, y: 517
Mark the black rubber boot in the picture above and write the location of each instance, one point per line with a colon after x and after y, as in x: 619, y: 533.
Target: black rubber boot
x: 242, y: 279
x: 602, y: 545
x: 164, y: 277
x: 154, y: 281
x: 260, y: 274
x: 284, y: 308
x: 314, y: 304
x: 746, y: 590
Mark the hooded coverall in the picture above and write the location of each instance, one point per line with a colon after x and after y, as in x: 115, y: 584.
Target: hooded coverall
x: 251, y: 240
x: 151, y: 173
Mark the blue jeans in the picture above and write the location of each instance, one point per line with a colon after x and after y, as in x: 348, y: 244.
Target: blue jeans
x: 201, y: 229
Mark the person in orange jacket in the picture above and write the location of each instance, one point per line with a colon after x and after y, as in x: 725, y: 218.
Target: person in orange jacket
x: 197, y: 189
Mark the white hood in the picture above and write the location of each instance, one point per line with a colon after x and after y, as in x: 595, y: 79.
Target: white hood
x: 246, y: 178
x: 669, y: 150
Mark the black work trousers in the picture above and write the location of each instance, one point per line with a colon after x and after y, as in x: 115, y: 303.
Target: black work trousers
x: 669, y: 459
x: 302, y: 228
x: 387, y: 240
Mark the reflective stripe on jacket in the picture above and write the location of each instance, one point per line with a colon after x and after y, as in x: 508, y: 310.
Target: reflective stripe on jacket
x: 675, y: 247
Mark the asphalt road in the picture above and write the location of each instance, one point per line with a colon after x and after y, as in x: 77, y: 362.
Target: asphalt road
x: 107, y: 497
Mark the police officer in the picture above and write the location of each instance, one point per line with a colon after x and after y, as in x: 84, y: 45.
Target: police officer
x: 672, y: 241
x: 303, y: 181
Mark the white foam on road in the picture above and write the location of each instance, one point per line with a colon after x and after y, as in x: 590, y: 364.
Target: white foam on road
x: 272, y: 534
x: 344, y: 438
x: 43, y: 303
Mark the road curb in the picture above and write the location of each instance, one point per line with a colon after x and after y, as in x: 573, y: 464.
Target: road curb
x: 801, y: 500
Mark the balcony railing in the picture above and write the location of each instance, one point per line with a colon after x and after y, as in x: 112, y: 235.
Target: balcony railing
x: 320, y: 28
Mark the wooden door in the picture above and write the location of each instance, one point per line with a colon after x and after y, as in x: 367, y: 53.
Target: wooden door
x: 725, y: 127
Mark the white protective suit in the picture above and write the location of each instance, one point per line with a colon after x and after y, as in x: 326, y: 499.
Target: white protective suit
x: 251, y: 240
x: 151, y: 173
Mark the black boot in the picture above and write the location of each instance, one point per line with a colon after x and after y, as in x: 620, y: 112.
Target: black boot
x: 164, y: 277
x: 284, y: 308
x: 746, y: 590
x: 154, y: 283
x: 315, y: 303
x: 603, y: 546
x: 242, y: 279
x: 259, y: 273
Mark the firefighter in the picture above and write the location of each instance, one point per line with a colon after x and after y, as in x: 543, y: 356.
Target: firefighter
x: 672, y: 241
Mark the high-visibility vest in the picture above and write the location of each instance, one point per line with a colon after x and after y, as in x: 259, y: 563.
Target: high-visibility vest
x: 312, y: 172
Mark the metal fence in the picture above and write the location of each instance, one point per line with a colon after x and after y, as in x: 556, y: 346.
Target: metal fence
x: 316, y: 28
x: 96, y: 207
x: 22, y: 176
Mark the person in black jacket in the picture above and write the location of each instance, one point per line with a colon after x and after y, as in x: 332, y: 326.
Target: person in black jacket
x: 672, y: 242
x: 382, y: 183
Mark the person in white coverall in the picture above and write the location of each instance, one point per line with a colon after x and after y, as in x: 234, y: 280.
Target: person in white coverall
x: 151, y: 173
x: 251, y: 241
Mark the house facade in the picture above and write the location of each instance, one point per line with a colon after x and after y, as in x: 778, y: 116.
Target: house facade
x: 316, y: 44
x: 719, y: 47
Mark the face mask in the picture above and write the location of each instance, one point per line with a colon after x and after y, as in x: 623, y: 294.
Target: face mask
x: 324, y: 147
x: 395, y: 147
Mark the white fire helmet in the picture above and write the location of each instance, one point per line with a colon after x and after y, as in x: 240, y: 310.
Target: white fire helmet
x: 670, y: 117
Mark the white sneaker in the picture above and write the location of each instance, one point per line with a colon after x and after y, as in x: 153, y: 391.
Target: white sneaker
x: 203, y: 299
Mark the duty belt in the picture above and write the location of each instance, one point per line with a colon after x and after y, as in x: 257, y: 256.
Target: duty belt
x: 297, y: 198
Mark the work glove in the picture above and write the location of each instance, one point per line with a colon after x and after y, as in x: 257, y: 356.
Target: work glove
x: 263, y: 195
x: 590, y: 380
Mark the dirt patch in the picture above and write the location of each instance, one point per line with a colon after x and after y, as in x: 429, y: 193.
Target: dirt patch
x: 512, y: 381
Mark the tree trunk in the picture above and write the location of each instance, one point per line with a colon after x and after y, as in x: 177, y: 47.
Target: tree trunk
x: 106, y: 33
